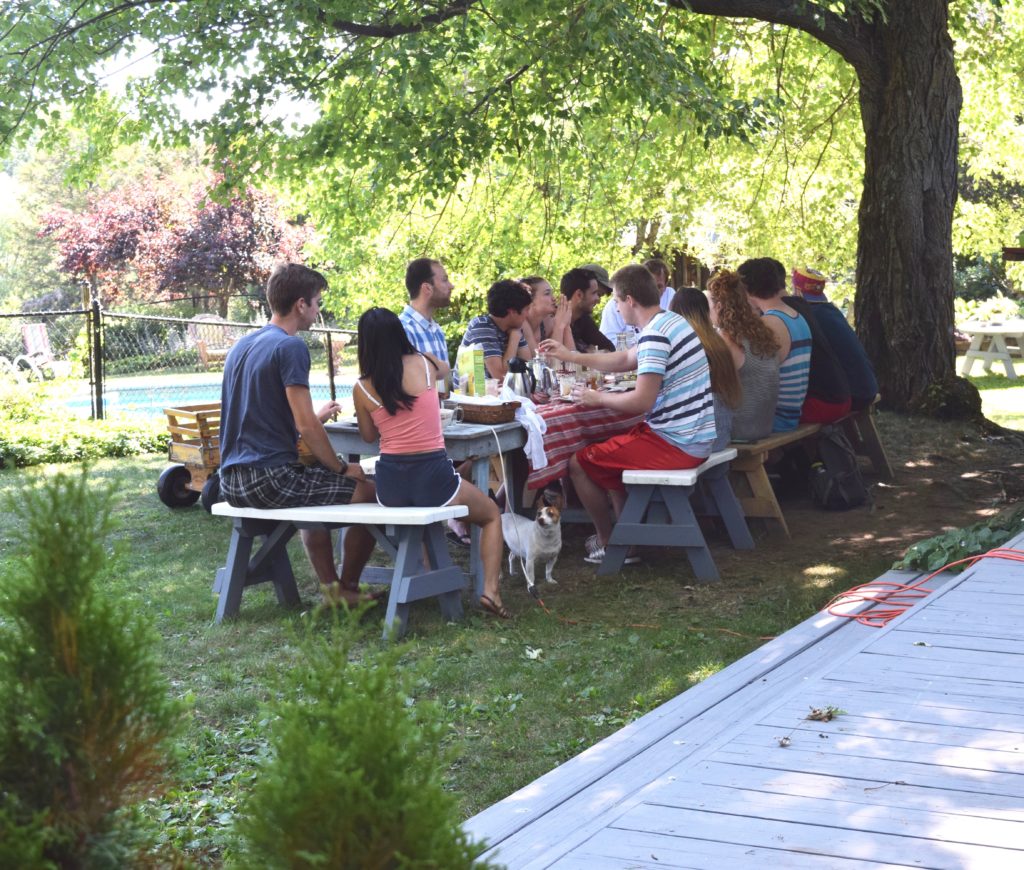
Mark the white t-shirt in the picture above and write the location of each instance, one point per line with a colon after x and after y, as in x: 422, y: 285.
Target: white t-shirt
x: 612, y: 323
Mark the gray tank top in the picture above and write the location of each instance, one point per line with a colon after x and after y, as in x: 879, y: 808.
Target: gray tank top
x: 759, y: 377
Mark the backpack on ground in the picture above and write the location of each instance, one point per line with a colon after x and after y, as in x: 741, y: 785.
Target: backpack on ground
x: 836, y: 482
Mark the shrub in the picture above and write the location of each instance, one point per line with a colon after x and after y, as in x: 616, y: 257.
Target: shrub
x: 86, y: 712
x: 19, y: 402
x: 354, y: 776
x: 997, y: 307
x: 932, y: 553
x: 72, y: 439
x: 977, y: 278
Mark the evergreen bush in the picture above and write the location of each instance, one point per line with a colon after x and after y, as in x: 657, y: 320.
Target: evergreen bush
x: 353, y: 781
x: 86, y: 714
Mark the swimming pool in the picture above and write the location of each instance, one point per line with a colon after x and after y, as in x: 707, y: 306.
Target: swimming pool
x: 149, y: 400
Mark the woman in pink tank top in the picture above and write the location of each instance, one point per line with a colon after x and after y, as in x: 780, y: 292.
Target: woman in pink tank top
x: 396, y: 401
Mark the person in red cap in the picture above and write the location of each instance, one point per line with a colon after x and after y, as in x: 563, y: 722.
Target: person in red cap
x: 810, y: 284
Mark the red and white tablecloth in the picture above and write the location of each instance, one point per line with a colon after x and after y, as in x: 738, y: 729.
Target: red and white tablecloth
x: 570, y: 427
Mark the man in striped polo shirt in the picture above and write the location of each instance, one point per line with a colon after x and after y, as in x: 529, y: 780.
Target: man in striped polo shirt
x: 673, y: 390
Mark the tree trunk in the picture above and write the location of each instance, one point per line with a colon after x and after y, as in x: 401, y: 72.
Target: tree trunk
x: 224, y: 297
x: 910, y: 106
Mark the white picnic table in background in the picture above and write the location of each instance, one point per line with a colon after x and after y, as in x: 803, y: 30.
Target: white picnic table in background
x: 993, y: 341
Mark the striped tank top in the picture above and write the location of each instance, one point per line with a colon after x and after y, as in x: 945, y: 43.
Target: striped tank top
x: 793, y: 373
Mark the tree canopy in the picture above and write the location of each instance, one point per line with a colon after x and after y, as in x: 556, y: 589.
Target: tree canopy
x: 735, y: 127
x: 148, y: 238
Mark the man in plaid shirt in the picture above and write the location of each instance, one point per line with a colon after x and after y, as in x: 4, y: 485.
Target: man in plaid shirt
x: 429, y: 289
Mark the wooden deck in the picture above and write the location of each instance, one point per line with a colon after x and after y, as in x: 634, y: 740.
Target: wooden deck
x: 924, y: 768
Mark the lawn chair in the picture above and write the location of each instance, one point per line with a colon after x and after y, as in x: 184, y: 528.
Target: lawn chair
x: 212, y: 337
x: 38, y: 356
x: 10, y: 370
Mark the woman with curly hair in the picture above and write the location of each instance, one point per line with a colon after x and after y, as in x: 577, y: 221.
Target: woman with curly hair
x: 755, y: 353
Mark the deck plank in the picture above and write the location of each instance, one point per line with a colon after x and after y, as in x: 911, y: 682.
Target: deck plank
x: 828, y: 813
x: 814, y: 837
x: 853, y: 787
x: 641, y: 849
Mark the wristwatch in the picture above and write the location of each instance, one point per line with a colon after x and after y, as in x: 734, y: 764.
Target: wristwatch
x: 344, y: 463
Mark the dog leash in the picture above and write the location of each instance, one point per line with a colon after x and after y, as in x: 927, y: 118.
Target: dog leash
x: 506, y: 481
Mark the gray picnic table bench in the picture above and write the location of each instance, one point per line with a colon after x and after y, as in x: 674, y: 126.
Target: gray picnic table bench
x: 406, y: 532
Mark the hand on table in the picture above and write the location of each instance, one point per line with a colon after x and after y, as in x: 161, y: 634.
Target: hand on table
x: 328, y: 411
x: 585, y: 396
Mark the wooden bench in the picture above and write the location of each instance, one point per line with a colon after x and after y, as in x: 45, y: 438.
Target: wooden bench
x: 750, y: 480
x: 404, y: 531
x: 658, y: 513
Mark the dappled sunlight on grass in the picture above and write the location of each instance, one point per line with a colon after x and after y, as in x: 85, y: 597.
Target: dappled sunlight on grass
x: 1002, y: 399
x: 704, y: 671
x: 824, y: 572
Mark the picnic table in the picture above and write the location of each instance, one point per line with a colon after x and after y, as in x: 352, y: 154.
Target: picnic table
x: 463, y: 441
x: 572, y: 425
x: 993, y: 341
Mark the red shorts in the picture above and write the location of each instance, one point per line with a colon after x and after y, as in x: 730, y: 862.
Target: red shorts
x: 640, y: 447
x: 817, y: 411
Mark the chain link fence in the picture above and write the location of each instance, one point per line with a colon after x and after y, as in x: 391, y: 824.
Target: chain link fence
x: 104, y: 363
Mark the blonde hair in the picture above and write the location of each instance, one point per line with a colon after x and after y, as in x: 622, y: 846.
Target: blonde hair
x: 725, y: 380
x: 735, y: 316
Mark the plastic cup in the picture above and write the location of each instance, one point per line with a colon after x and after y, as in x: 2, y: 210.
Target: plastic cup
x: 493, y: 386
x: 565, y: 385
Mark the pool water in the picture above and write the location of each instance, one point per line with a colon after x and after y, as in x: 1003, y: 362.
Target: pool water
x: 150, y: 401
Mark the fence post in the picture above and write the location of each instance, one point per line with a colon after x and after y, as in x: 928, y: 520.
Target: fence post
x: 96, y: 361
x: 331, y: 364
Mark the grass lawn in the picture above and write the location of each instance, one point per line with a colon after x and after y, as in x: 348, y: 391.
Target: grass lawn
x: 1002, y: 399
x: 523, y: 696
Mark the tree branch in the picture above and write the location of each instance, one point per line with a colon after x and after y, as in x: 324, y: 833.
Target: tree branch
x: 851, y: 37
x: 384, y: 30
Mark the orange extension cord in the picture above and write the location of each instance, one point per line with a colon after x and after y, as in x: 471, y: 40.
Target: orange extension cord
x: 900, y: 597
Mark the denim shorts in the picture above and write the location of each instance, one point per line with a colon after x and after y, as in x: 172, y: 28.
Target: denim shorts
x: 417, y: 480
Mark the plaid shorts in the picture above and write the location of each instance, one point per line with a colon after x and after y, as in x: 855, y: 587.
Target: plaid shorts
x: 285, y: 486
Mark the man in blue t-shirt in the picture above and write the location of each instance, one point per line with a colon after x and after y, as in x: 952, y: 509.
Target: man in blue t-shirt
x: 265, y: 406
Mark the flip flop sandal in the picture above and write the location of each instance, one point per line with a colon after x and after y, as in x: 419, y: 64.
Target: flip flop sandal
x: 499, y: 610
x: 457, y: 539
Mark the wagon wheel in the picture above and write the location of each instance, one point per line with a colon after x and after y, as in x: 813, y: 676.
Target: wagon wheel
x: 211, y: 492
x: 172, y: 487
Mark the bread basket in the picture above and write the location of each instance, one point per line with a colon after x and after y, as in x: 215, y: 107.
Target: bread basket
x: 489, y: 415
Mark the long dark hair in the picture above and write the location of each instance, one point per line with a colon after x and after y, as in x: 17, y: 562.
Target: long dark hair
x: 693, y: 305
x: 382, y: 344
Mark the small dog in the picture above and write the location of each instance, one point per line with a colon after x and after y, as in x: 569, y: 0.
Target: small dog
x: 536, y: 540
